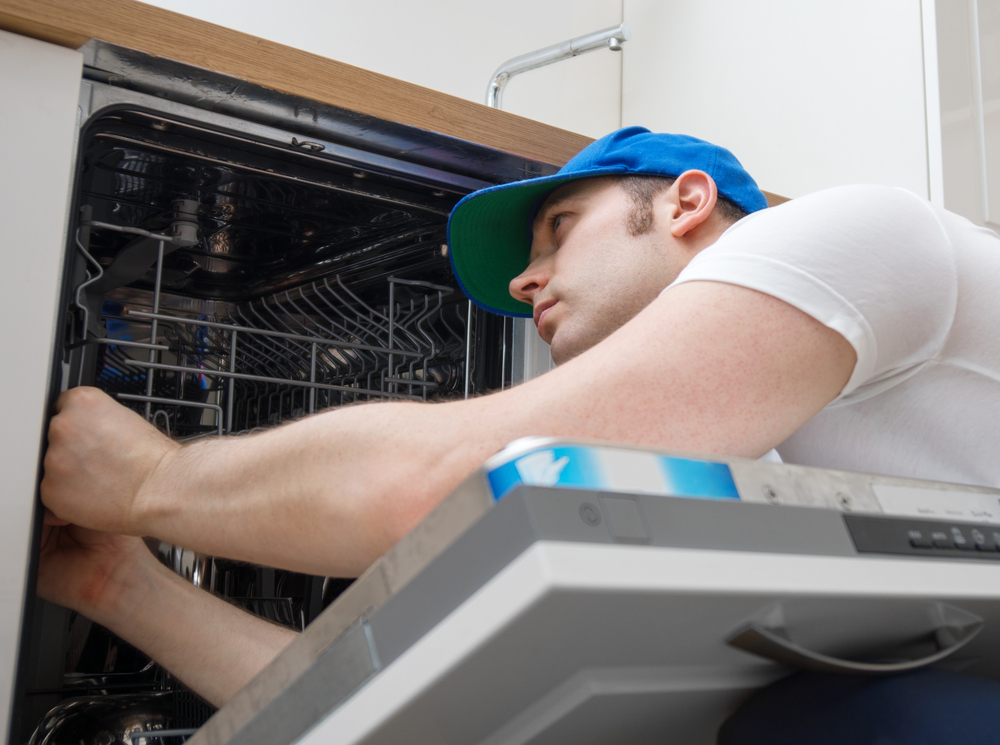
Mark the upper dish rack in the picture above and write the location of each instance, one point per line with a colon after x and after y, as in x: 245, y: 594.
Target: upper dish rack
x: 260, y: 362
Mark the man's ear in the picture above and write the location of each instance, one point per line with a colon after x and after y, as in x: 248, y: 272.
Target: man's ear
x: 694, y: 195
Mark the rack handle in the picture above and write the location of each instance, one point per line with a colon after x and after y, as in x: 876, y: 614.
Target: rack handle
x: 775, y: 644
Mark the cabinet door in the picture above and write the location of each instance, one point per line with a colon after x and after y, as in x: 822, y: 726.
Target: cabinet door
x: 39, y: 90
x: 967, y: 45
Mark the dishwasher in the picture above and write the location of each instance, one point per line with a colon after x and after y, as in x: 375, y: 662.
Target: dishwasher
x: 237, y: 258
x: 585, y: 592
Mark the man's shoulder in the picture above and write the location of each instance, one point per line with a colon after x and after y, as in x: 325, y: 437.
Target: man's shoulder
x: 856, y: 211
x: 876, y: 198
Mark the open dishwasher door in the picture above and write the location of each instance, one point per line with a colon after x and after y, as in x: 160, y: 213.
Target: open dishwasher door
x: 581, y: 593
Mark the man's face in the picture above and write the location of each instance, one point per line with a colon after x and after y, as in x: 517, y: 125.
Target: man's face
x: 587, y: 274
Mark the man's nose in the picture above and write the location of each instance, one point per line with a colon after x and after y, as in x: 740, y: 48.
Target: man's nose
x: 529, y: 283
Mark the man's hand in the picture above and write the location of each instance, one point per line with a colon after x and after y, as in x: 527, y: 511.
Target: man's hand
x: 100, y: 456
x: 100, y: 575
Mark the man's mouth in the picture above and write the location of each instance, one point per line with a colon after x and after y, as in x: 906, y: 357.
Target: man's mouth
x: 541, y: 310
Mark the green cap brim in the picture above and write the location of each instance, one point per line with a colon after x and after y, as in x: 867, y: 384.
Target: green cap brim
x: 489, y: 240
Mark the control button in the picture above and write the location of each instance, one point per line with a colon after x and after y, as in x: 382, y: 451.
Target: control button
x: 590, y: 514
x: 983, y: 542
x: 961, y: 542
x: 942, y: 539
x: 919, y: 540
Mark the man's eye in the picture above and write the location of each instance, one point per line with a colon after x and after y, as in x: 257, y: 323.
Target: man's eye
x: 556, y: 222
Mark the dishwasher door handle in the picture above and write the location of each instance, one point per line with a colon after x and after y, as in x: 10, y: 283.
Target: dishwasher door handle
x: 775, y: 644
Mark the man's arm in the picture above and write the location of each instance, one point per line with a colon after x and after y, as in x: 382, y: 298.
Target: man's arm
x: 212, y: 646
x: 707, y: 367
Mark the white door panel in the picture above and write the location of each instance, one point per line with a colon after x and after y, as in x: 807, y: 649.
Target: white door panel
x: 39, y: 88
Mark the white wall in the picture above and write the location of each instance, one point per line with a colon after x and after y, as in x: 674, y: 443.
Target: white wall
x: 807, y: 94
x: 452, y: 46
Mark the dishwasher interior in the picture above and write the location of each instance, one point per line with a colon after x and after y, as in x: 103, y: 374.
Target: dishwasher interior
x: 218, y: 283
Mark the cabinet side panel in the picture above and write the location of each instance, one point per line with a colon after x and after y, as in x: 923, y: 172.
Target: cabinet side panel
x: 986, y: 42
x: 39, y: 88
x: 959, y: 142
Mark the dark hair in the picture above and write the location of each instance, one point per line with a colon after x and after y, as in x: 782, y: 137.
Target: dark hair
x: 642, y: 189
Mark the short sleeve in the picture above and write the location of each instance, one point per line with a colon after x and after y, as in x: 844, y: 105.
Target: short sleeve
x: 870, y: 262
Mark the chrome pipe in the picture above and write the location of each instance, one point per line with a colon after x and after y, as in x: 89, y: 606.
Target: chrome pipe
x: 610, y: 38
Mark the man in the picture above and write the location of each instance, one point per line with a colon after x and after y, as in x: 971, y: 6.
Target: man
x: 852, y: 329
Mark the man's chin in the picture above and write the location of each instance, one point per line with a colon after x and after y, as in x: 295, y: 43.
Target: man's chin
x: 563, y: 349
x: 566, y: 345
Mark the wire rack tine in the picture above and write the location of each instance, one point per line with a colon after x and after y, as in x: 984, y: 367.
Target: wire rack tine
x: 295, y: 352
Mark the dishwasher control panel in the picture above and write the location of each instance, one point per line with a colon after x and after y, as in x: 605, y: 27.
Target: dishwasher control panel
x: 928, y: 538
x: 579, y: 464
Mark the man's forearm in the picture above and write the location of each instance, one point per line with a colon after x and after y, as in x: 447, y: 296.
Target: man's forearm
x: 326, y: 495
x: 210, y: 645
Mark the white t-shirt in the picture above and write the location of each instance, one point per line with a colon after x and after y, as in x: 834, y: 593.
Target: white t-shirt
x: 916, y: 291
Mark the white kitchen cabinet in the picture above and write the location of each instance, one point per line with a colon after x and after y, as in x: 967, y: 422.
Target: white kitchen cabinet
x: 39, y: 89
x: 962, y: 40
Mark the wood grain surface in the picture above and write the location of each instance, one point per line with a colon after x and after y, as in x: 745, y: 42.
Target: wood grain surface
x: 773, y: 200
x: 166, y: 34
x: 163, y: 33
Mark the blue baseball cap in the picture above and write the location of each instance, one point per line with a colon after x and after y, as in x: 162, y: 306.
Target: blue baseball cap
x: 489, y: 231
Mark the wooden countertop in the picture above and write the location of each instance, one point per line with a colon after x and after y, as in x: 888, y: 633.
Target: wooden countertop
x: 163, y: 33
